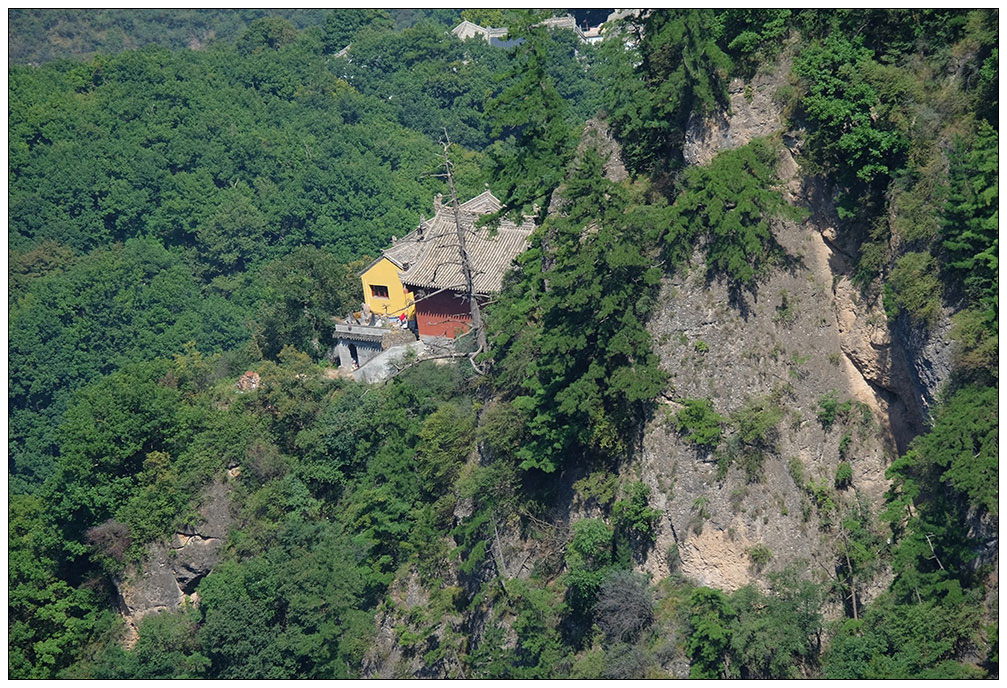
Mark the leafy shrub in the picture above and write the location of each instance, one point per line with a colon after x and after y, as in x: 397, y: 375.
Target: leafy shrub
x: 699, y: 423
x: 591, y: 545
x: 844, y: 445
x: 786, y: 312
x: 675, y: 69
x: 726, y: 207
x: 599, y: 486
x: 755, y: 434
x: 796, y: 470
x: 568, y: 333
x: 445, y: 441
x: 710, y: 619
x: 976, y: 350
x: 970, y: 226
x: 851, y: 132
x: 844, y: 475
x: 913, y: 286
x: 760, y: 554
x: 634, y: 513
x: 830, y: 409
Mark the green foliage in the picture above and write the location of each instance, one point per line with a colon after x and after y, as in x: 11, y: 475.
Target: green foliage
x: 177, y: 218
x: 751, y: 37
x: 51, y: 616
x: 588, y: 559
x: 971, y: 219
x: 290, y: 611
x: 531, y: 119
x: 131, y: 303
x: 44, y: 35
x: 445, y: 441
x: 166, y: 649
x: 844, y: 445
x: 710, y: 616
x: 777, y: 635
x: 976, y: 351
x: 236, y: 195
x: 726, y: 207
x: 303, y: 291
x: 501, y: 429
x: 852, y: 130
x: 844, y: 475
x: 960, y: 450
x: 700, y: 424
x: 907, y: 641
x: 268, y: 33
x: 915, y: 288
x: 568, y: 334
x: 786, y: 312
x: 634, y: 513
x: 830, y: 409
x: 896, y: 34
x: 537, y: 616
x: 755, y: 433
x: 428, y: 80
x: 760, y: 554
x: 673, y: 69
x: 48, y: 258
x: 342, y: 26
x: 600, y: 486
x: 753, y: 635
x: 591, y: 546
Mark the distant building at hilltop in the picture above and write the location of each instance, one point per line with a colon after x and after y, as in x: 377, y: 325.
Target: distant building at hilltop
x: 498, y: 36
x: 493, y: 36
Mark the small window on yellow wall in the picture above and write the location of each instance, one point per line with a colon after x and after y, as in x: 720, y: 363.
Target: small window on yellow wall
x: 379, y: 292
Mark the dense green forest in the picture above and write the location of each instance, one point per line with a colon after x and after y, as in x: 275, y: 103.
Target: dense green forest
x: 193, y: 197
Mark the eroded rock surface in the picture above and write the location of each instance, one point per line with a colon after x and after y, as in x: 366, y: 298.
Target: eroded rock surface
x: 753, y: 113
x: 804, y: 334
x: 171, y: 571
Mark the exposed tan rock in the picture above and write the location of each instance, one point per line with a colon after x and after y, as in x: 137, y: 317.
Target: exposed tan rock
x: 169, y: 573
x: 753, y: 114
x: 715, y: 559
x: 864, y: 335
x: 248, y: 381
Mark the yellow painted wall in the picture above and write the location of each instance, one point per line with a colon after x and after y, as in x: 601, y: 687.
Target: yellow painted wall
x: 386, y: 274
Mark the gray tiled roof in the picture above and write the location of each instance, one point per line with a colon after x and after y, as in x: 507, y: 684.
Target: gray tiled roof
x: 408, y: 249
x: 439, y: 265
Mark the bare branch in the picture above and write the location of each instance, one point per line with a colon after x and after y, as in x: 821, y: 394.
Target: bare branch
x: 477, y: 322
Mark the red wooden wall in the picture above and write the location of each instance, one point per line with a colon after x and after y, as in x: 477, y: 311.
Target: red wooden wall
x: 443, y: 315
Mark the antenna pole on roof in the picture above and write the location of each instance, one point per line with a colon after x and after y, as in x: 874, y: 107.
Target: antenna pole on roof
x: 474, y: 310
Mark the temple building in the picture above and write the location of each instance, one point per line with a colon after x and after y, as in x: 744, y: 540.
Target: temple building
x: 418, y: 280
x: 436, y: 278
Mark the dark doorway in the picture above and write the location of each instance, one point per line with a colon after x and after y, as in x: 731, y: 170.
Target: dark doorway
x: 588, y: 18
x: 353, y: 355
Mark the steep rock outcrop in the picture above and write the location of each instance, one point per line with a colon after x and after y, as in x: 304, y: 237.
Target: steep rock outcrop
x: 806, y: 333
x: 785, y: 346
x: 168, y: 575
x: 753, y: 112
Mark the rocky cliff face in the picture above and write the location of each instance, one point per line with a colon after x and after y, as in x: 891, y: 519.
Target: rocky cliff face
x: 168, y: 575
x: 785, y: 349
x: 808, y: 333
